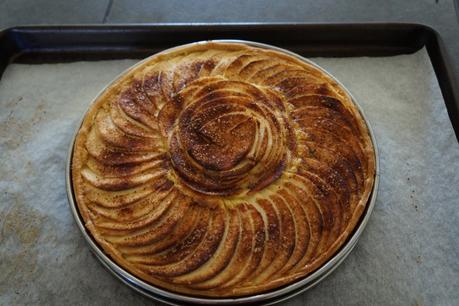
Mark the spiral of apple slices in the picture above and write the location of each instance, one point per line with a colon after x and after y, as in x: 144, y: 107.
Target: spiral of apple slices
x: 222, y: 170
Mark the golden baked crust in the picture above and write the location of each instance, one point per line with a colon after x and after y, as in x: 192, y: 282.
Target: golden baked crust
x: 222, y: 170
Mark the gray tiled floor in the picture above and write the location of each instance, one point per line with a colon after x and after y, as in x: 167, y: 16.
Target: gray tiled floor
x: 286, y: 10
x: 17, y: 12
x: 21, y: 12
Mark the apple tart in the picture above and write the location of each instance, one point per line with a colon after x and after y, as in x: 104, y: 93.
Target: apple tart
x: 222, y: 170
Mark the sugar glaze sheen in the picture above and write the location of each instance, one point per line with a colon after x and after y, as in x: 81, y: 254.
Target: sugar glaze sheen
x: 174, y: 196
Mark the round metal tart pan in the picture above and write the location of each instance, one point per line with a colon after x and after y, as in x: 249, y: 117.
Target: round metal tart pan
x: 267, y: 298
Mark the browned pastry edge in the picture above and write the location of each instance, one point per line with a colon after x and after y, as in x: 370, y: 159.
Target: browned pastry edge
x: 80, y: 156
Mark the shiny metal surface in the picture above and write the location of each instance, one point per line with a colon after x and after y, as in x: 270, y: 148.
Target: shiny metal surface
x: 268, y: 298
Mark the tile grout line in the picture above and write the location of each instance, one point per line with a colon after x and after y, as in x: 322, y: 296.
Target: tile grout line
x: 107, y: 11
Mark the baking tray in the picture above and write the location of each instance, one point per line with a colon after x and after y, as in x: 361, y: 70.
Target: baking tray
x: 52, y: 44
x: 73, y: 43
x: 267, y: 298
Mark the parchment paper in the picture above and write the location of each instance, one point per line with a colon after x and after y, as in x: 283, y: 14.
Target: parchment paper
x: 408, y: 254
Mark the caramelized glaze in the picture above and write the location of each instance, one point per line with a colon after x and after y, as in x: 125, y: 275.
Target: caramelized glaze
x: 222, y: 170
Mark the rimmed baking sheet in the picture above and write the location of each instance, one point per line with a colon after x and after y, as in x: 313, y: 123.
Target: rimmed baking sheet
x: 407, y: 253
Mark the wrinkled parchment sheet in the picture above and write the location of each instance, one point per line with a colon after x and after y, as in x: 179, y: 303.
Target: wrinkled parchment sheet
x: 407, y: 255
